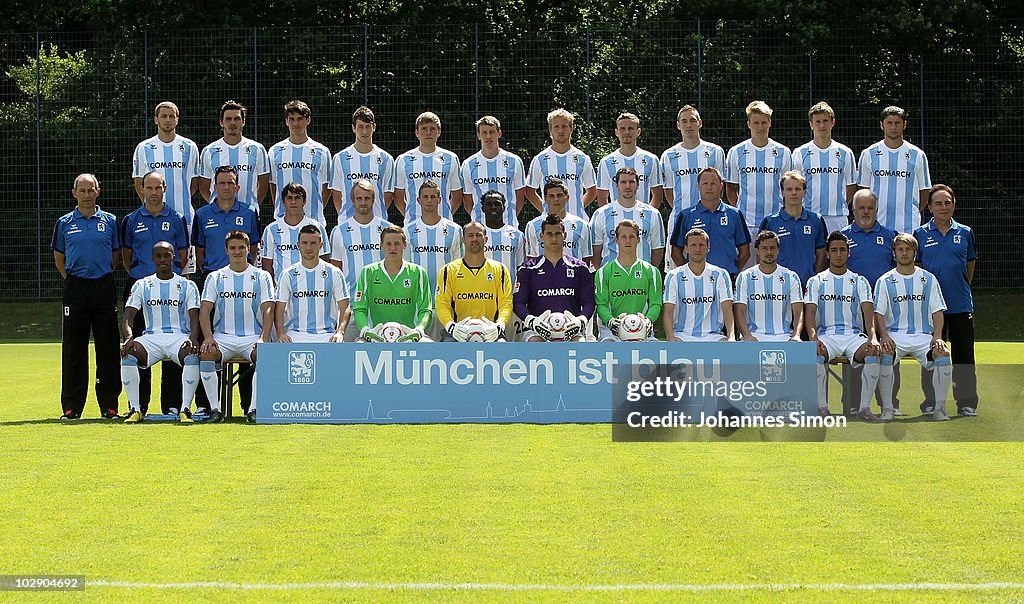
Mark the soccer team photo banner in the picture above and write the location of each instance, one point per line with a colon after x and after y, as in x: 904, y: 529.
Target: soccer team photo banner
x: 543, y: 383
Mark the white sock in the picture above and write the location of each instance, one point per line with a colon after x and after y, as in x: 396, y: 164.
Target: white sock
x: 130, y: 379
x: 822, y: 383
x: 942, y: 377
x: 208, y: 372
x: 868, y: 381
x: 189, y: 381
x: 886, y: 379
x: 252, y: 404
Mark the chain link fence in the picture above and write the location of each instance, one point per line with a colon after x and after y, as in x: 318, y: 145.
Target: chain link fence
x: 80, y: 103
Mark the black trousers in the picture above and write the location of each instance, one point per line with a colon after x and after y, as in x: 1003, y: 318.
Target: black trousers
x: 90, y: 306
x: 245, y: 376
x: 170, y: 372
x: 958, y: 330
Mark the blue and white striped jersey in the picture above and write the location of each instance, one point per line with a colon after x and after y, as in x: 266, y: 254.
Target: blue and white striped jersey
x: 573, y: 167
x: 757, y: 171
x: 506, y: 245
x: 248, y: 157
x: 311, y: 296
x: 281, y: 243
x: 432, y: 247
x: 178, y: 161
x: 906, y: 302
x: 164, y: 304
x: 236, y: 299
x: 357, y: 245
x: 644, y: 162
x: 578, y: 243
x: 308, y: 164
x: 413, y: 168
x: 350, y: 166
x: 503, y: 173
x: 608, y: 216
x: 828, y: 172
x: 838, y: 299
x: 768, y: 299
x: 698, y: 299
x: 897, y: 177
x: 681, y: 166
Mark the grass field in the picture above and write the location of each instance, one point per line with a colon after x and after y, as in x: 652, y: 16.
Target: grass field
x: 496, y: 513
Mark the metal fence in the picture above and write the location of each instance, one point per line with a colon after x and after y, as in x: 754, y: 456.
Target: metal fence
x: 71, y: 103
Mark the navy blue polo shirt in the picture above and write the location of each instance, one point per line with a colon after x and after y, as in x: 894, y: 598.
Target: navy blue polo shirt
x: 88, y: 243
x: 946, y: 257
x: 140, y: 231
x: 726, y: 229
x: 799, y: 237
x: 212, y: 224
x: 870, y: 251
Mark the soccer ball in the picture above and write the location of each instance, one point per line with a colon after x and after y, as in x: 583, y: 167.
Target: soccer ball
x: 558, y: 327
x: 476, y: 330
x: 392, y: 332
x: 633, y: 328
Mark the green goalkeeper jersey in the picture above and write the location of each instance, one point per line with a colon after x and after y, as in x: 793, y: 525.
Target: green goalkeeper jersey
x: 636, y: 289
x: 380, y: 298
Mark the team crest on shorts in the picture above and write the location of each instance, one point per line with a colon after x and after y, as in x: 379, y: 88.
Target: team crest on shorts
x: 301, y: 367
x: 773, y: 366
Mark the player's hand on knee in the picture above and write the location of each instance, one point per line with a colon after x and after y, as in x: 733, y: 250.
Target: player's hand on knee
x: 127, y: 347
x: 209, y: 346
x: 939, y: 347
x: 821, y: 350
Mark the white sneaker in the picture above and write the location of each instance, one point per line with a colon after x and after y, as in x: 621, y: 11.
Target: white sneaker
x: 969, y: 412
x: 939, y: 415
x: 887, y: 415
x: 896, y: 411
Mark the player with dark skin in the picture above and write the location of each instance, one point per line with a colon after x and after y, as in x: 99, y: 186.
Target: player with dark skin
x: 163, y: 258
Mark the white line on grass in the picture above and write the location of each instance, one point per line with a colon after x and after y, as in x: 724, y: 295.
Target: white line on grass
x: 567, y: 588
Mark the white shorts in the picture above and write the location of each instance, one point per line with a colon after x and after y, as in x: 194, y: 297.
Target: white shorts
x: 300, y: 337
x: 711, y: 337
x: 763, y: 337
x: 235, y: 347
x: 835, y: 223
x: 838, y: 346
x: 916, y: 345
x: 161, y: 347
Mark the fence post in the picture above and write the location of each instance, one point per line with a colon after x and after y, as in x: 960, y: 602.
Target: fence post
x: 921, y: 93
x: 700, y: 68
x: 476, y: 69
x: 586, y: 81
x: 145, y: 81
x: 366, y: 65
x: 810, y: 78
x: 255, y: 89
x: 39, y: 180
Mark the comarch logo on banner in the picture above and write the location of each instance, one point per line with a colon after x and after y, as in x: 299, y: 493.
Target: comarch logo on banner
x: 523, y: 382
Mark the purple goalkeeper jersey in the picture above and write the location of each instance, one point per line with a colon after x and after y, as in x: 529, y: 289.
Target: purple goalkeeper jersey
x: 567, y: 286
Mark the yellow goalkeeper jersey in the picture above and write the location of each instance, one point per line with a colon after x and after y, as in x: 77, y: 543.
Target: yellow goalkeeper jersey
x: 484, y: 292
